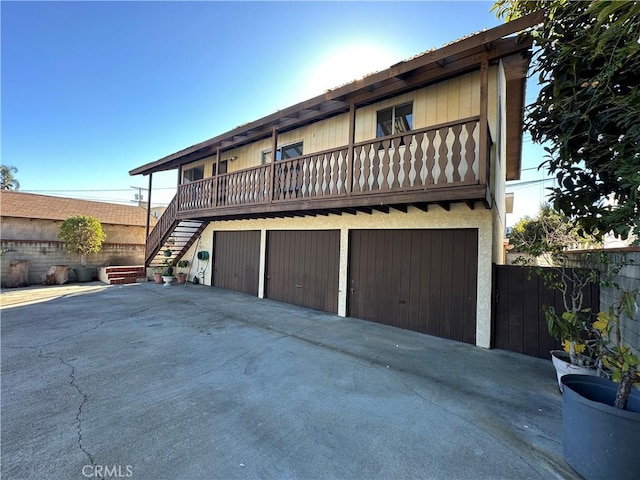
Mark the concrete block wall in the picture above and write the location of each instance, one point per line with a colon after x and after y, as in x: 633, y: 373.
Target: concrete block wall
x: 628, y: 279
x: 43, y: 254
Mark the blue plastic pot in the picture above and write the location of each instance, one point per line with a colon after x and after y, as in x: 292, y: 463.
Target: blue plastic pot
x: 600, y: 441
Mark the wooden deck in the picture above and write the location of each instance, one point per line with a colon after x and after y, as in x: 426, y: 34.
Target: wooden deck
x: 441, y: 164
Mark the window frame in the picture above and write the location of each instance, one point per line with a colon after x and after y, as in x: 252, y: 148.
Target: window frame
x: 185, y: 174
x: 380, y: 133
x: 214, y: 167
x: 280, y: 152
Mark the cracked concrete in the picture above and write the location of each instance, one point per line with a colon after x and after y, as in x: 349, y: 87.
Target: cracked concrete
x: 85, y: 397
x: 148, y: 382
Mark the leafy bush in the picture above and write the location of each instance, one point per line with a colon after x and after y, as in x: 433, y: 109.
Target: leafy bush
x: 82, y: 234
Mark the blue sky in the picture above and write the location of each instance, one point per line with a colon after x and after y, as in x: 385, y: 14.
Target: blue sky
x: 91, y: 90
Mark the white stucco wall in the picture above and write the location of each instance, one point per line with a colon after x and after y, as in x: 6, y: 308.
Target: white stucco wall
x: 460, y: 216
x: 498, y: 169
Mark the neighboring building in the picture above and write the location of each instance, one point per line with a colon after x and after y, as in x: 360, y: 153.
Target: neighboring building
x: 30, y: 226
x: 384, y: 200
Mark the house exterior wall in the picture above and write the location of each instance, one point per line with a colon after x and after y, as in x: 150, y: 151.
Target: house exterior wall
x: 206, y: 162
x: 36, y: 240
x: 443, y: 102
x: 498, y: 166
x: 459, y: 216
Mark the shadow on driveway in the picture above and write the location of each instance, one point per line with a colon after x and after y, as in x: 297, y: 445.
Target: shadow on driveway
x: 151, y: 382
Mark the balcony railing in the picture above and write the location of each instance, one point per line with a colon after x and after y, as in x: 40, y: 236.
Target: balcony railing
x: 164, y: 226
x: 444, y: 155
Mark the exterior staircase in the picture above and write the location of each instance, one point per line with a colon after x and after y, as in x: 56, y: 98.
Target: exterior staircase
x: 178, y: 240
x: 171, y: 235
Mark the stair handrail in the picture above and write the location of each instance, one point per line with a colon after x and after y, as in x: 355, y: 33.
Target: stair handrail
x: 161, y: 230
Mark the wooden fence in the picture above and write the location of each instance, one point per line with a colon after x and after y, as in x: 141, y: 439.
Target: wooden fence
x: 518, y: 320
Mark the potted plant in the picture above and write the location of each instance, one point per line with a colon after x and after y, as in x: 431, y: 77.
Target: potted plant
x: 167, y: 272
x: 182, y: 275
x: 157, y: 275
x: 601, y: 417
x: 572, y: 329
x: 82, y: 235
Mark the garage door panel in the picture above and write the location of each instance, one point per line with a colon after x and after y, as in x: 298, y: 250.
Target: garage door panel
x: 415, y: 282
x: 422, y: 280
x: 447, y: 292
x: 302, y: 268
x: 470, y: 289
x: 434, y: 293
x: 424, y: 273
x: 236, y: 261
x: 458, y: 289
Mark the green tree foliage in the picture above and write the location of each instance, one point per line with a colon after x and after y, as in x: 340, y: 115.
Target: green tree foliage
x: 548, y: 234
x: 588, y: 108
x: 7, y: 179
x: 82, y: 235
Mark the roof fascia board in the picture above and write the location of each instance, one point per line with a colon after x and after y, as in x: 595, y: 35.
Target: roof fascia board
x: 481, y: 38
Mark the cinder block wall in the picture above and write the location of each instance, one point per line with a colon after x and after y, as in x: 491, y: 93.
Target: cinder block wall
x: 43, y: 254
x: 628, y: 279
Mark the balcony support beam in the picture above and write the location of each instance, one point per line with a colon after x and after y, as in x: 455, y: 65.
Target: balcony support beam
x: 422, y: 206
x: 274, y: 148
x: 148, y: 208
x: 352, y: 130
x: 484, y: 119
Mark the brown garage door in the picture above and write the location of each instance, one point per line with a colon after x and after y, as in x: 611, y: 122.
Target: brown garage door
x: 237, y: 261
x: 422, y: 280
x: 302, y: 268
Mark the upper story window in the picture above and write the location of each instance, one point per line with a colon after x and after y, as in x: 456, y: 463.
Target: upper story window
x: 286, y: 151
x: 220, y: 168
x: 289, y: 151
x: 396, y: 119
x: 193, y: 174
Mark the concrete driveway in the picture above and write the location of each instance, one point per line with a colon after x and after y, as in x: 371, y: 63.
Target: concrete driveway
x: 152, y: 382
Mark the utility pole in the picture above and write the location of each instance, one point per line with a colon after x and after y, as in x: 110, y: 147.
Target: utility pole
x: 139, y: 197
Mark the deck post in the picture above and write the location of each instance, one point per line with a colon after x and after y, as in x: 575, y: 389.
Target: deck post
x: 352, y: 130
x: 484, y: 119
x: 148, y: 209
x: 274, y: 147
x: 215, y: 180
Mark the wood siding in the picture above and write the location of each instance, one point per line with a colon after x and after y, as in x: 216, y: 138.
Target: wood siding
x: 443, y: 102
x: 519, y: 324
x: 443, y: 155
x: 421, y: 280
x: 302, y: 268
x: 237, y: 261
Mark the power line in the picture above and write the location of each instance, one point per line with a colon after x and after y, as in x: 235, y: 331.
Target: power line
x: 529, y: 182
x: 96, y: 190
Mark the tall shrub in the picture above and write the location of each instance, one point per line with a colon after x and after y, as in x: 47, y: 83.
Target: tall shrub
x: 82, y: 235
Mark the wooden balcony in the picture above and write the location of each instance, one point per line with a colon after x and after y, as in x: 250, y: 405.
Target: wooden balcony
x: 438, y: 165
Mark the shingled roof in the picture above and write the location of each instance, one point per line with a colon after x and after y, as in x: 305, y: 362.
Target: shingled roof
x: 29, y: 205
